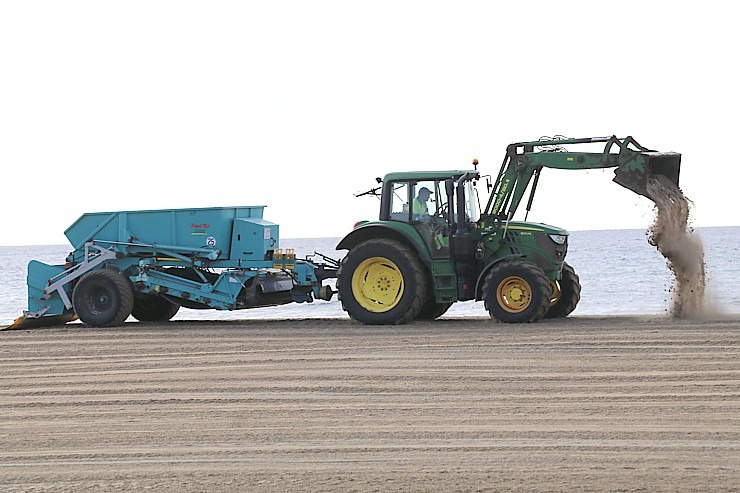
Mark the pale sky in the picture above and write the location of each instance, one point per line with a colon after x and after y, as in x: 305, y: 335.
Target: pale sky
x: 109, y: 106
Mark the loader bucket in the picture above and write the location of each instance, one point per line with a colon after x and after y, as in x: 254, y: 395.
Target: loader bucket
x: 634, y: 174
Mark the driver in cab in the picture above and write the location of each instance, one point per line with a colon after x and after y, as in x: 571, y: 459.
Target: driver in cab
x: 436, y: 224
x: 419, y: 207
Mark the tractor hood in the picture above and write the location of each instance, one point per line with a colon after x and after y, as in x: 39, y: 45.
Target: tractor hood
x: 536, y: 228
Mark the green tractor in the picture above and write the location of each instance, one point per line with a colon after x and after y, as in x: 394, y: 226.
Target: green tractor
x: 434, y: 244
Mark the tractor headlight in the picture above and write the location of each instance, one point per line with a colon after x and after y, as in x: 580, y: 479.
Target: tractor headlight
x: 559, y: 239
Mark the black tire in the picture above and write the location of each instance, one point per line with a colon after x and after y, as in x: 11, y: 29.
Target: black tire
x: 153, y: 308
x: 382, y: 282
x: 516, y: 291
x: 431, y: 310
x: 565, y: 294
x: 103, y: 298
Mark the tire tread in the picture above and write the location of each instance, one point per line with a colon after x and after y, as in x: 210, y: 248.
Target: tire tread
x: 540, y: 288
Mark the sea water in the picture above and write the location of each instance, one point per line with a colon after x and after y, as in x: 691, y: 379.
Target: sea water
x: 620, y: 272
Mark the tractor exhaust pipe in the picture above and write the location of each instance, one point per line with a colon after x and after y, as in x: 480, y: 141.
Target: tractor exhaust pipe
x: 635, y: 173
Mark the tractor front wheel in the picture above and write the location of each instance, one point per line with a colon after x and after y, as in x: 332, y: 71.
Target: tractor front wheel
x: 103, y: 298
x: 516, y: 291
x: 382, y: 282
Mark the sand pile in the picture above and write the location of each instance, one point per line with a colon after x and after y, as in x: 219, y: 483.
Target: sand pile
x: 684, y: 251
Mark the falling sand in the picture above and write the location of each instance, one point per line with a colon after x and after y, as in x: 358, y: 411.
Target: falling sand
x: 683, y: 251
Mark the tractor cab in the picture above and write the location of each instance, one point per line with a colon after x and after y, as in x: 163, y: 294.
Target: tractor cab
x: 429, y: 202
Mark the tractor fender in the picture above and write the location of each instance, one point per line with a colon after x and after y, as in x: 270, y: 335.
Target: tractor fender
x: 484, y: 273
x: 401, y: 232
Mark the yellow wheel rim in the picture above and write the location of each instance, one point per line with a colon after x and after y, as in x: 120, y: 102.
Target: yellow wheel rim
x: 556, y: 293
x: 377, y: 284
x: 514, y: 294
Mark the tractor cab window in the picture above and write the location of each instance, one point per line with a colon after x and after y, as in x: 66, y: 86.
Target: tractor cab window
x: 430, y: 213
x: 400, y: 202
x: 424, y: 205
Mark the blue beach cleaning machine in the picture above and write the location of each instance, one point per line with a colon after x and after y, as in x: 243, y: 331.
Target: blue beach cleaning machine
x: 149, y: 263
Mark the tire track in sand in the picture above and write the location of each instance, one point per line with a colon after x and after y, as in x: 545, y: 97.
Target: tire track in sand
x: 597, y: 404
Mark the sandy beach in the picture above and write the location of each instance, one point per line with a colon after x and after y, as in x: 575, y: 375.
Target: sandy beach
x: 622, y: 404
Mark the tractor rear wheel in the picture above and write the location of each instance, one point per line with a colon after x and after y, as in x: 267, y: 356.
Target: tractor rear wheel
x: 382, y: 282
x: 103, y: 298
x: 152, y: 308
x: 516, y: 291
x: 566, y: 293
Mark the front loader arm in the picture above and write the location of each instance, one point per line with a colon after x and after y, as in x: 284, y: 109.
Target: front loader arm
x: 511, y: 183
x: 524, y: 160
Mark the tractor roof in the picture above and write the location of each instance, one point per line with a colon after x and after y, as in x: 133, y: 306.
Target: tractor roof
x: 425, y: 175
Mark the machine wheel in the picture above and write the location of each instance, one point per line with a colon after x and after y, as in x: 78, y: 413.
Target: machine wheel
x: 152, y: 308
x: 565, y: 294
x: 103, y: 298
x: 516, y: 291
x: 433, y: 310
x: 381, y: 282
